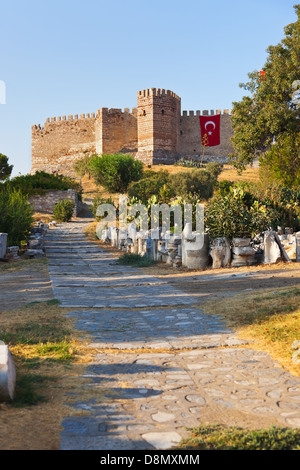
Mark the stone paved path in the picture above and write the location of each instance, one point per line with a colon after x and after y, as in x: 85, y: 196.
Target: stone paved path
x: 162, y: 364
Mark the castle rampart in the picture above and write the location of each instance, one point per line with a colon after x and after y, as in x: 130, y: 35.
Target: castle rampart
x: 190, y: 138
x: 155, y: 132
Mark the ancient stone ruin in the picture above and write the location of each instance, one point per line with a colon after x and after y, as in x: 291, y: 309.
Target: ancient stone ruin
x: 183, y: 250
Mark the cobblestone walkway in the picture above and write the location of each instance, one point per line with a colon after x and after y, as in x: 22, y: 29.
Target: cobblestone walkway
x: 160, y: 366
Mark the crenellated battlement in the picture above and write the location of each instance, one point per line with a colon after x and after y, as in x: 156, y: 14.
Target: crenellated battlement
x: 157, y: 92
x: 111, y: 111
x: 76, y: 117
x: 70, y: 117
x: 205, y: 112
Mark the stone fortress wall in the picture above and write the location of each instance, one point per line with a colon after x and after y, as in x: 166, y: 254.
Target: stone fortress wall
x: 155, y: 132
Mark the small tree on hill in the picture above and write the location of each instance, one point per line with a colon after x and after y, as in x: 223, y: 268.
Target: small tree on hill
x: 116, y: 171
x: 5, y: 168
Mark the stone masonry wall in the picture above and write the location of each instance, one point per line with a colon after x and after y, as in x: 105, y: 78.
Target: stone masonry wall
x: 190, y: 136
x: 116, y: 131
x: 61, y: 141
x: 45, y: 202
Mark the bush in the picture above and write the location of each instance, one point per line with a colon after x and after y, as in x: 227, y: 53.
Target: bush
x: 197, y: 182
x: 116, y: 171
x: 230, y: 216
x: 16, y: 215
x: 156, y: 184
x: 41, y: 181
x: 214, y: 168
x: 63, y: 210
x: 189, y: 162
x: 282, y: 201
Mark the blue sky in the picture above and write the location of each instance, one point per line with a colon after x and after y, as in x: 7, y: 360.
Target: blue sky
x: 71, y: 57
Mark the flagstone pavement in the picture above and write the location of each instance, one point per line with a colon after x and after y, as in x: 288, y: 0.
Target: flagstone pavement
x: 161, y: 363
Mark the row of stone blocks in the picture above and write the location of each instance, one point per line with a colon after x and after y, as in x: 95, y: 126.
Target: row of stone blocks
x: 196, y: 251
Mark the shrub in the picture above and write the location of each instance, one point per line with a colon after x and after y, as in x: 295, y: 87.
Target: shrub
x: 197, y: 182
x: 156, y: 184
x: 189, y: 162
x: 214, y: 168
x: 63, y: 210
x: 116, y: 171
x: 16, y: 215
x: 230, y: 216
x: 41, y: 181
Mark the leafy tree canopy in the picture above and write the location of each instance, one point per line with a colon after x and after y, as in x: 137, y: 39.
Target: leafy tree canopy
x: 115, y: 171
x: 5, y: 168
x: 267, y: 121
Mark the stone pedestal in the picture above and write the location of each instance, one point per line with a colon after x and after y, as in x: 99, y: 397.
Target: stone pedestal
x: 220, y: 252
x: 7, y: 374
x: 12, y: 252
x: 114, y: 237
x: 3, y: 244
x: 162, y: 253
x: 272, y: 252
x: 172, y: 249
x: 195, y: 249
x: 242, y: 253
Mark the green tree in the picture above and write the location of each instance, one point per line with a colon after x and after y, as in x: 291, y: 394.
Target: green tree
x: 265, y: 122
x: 115, y: 171
x: 5, y: 168
x: 82, y: 166
x: 16, y: 215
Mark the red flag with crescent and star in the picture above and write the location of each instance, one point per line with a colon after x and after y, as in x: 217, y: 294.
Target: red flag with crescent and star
x: 210, y: 126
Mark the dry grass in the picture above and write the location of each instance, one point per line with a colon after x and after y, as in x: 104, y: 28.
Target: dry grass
x: 48, y: 379
x: 251, y: 174
x: 43, y: 217
x: 270, y: 318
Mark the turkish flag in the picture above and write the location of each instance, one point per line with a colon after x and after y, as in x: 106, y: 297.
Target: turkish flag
x: 210, y: 130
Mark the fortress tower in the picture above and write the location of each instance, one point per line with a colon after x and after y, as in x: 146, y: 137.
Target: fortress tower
x: 158, y: 121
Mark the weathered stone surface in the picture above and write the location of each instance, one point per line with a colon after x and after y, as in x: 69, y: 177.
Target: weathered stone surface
x: 195, y: 250
x: 3, y: 244
x: 34, y: 253
x: 162, y: 440
x: 272, y: 252
x: 7, y: 374
x: 12, y: 252
x: 220, y: 253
